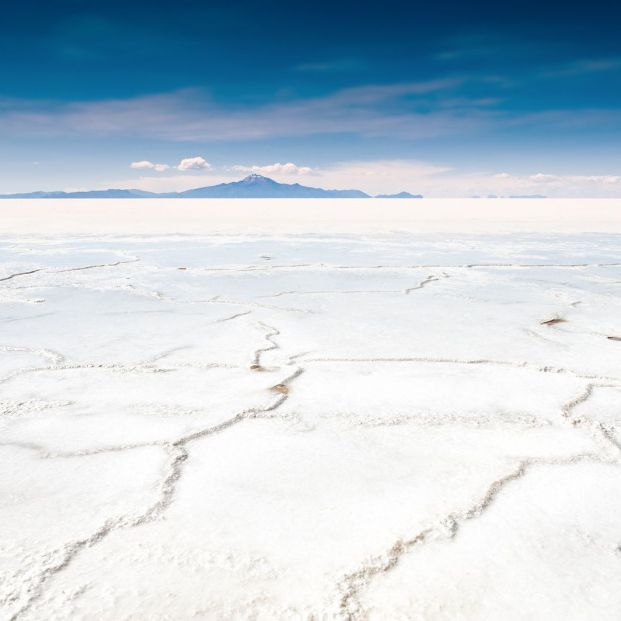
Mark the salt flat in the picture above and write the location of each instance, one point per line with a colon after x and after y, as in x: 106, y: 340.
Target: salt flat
x: 380, y: 415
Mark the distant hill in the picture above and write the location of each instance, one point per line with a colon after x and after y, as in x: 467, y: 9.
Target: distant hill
x: 252, y: 186
x: 84, y: 194
x: 400, y: 195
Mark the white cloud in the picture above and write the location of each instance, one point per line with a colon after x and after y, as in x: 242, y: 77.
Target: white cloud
x: 146, y: 164
x: 579, y: 179
x: 142, y: 164
x: 276, y: 169
x: 194, y: 163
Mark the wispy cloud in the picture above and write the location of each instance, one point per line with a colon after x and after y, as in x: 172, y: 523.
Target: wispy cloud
x: 404, y: 111
x: 340, y: 65
x: 584, y: 67
x: 538, y: 183
x: 396, y: 110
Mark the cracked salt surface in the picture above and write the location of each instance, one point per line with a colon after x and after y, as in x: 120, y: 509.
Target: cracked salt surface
x: 359, y: 428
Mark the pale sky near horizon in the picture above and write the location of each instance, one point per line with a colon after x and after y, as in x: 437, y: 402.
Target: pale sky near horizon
x: 452, y: 99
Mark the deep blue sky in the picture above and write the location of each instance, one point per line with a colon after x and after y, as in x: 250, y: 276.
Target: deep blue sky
x: 482, y: 88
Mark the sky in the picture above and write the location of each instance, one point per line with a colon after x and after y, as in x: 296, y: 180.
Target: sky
x: 446, y: 98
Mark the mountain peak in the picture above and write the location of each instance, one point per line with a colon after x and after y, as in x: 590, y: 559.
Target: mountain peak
x: 256, y: 178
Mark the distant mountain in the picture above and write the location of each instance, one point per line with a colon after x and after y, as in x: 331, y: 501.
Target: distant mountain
x: 252, y: 186
x: 528, y: 196
x: 257, y: 186
x: 513, y: 196
x: 400, y: 195
x: 85, y: 194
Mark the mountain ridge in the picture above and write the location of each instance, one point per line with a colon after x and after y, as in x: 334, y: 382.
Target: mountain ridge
x: 399, y: 195
x: 252, y: 186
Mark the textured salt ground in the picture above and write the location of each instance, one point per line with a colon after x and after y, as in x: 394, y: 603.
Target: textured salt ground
x: 381, y: 428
